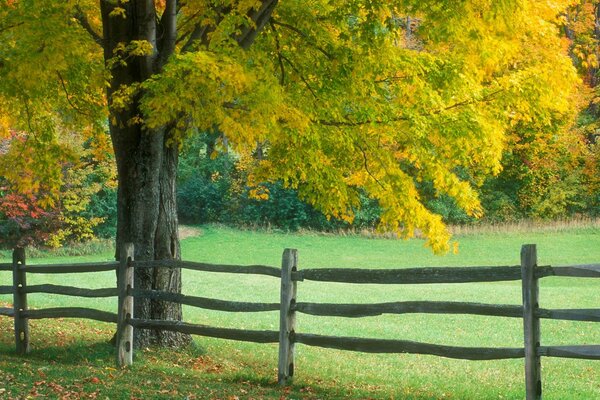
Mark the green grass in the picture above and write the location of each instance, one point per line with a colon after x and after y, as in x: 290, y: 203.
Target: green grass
x: 74, y: 355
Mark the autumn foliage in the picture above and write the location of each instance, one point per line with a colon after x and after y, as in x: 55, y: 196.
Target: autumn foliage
x: 408, y: 105
x: 32, y: 212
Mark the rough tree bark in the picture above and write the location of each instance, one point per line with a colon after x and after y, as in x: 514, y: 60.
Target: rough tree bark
x: 146, y: 168
x: 146, y: 165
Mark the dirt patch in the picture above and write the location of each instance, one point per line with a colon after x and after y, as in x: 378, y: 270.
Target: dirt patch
x: 189, y: 231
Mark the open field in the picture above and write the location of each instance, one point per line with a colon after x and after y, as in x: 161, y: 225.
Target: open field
x: 72, y: 357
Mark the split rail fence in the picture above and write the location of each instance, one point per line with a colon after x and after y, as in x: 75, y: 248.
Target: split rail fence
x: 529, y: 273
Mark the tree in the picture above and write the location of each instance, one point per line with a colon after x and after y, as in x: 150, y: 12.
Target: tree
x: 32, y: 215
x: 583, y: 31
x: 342, y: 97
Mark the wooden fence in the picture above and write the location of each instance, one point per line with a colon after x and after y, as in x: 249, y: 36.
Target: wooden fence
x: 287, y: 337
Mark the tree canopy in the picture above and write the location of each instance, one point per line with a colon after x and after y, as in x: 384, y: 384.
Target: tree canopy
x: 340, y: 96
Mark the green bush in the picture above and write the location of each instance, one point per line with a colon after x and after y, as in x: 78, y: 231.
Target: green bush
x: 103, y: 204
x: 201, y: 200
x: 451, y: 213
x: 212, y: 189
x: 204, y: 182
x: 283, y: 209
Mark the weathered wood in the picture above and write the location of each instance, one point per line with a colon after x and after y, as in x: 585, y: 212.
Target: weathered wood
x: 71, y: 312
x: 72, y: 291
x: 5, y: 267
x: 408, y: 307
x: 367, y: 345
x: 9, y: 312
x: 435, y: 307
x: 543, y: 271
x: 570, y: 314
x: 72, y: 268
x: 581, y: 352
x: 204, y: 302
x: 531, y: 323
x: 6, y: 289
x: 197, y: 266
x: 578, y: 271
x: 412, y: 275
x: 20, y: 301
x: 125, y: 311
x: 203, y: 330
x: 287, y: 316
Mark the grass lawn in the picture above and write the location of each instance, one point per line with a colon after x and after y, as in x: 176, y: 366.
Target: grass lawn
x: 71, y: 357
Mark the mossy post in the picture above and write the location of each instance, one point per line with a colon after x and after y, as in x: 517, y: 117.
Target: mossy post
x: 124, y: 329
x: 287, y: 317
x: 531, y: 322
x: 20, y: 301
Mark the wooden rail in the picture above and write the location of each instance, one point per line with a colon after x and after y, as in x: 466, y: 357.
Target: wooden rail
x: 204, y: 302
x: 440, y: 307
x: 71, y: 268
x: 197, y: 266
x: 71, y: 312
x: 415, y: 275
x: 203, y: 330
x: 6, y: 289
x: 287, y: 336
x: 577, y: 271
x: 408, y: 307
x: 592, y: 315
x: 71, y: 291
x: 367, y: 345
x: 9, y: 312
x: 581, y: 352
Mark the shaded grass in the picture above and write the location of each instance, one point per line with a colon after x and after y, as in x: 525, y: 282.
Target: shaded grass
x: 225, y: 369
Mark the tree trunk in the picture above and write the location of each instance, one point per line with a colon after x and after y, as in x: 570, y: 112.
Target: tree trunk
x: 146, y: 171
x: 147, y: 217
x: 146, y: 165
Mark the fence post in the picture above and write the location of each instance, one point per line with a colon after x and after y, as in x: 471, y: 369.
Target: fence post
x: 124, y: 330
x: 20, y: 301
x: 531, y: 322
x: 287, y: 317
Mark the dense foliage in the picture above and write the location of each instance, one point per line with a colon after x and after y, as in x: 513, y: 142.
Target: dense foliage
x: 31, y: 214
x: 548, y: 167
x: 408, y: 104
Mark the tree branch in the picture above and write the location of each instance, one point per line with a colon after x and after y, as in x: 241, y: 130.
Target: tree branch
x: 68, y: 96
x: 309, y: 40
x: 300, y: 75
x: 168, y: 23
x: 198, y: 34
x: 7, y: 27
x: 30, y: 131
x: 485, y: 99
x: 279, y: 57
x: 85, y: 24
x: 366, y: 164
x: 188, y: 19
x: 260, y: 18
x: 390, y: 79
